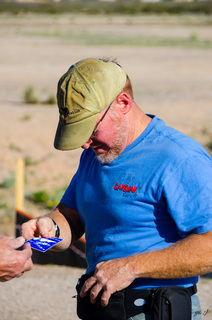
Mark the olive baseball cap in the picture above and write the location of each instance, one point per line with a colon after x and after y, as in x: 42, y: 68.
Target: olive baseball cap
x: 88, y: 87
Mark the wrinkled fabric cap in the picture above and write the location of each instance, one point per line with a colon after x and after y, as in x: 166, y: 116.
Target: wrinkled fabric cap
x: 87, y: 88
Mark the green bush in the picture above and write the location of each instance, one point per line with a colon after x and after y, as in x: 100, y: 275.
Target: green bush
x: 8, y: 182
x: 119, y: 6
x: 30, y: 96
x: 50, y: 100
x: 209, y: 145
x: 47, y: 199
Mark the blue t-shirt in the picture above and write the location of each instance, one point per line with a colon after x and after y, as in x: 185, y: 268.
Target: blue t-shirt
x: 155, y: 193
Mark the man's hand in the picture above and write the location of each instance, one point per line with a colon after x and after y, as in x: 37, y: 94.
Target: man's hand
x: 66, y: 218
x: 40, y: 227
x: 14, y: 263
x: 109, y: 276
x: 188, y: 257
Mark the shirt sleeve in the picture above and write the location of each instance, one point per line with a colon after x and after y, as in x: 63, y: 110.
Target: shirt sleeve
x: 188, y: 195
x: 69, y: 197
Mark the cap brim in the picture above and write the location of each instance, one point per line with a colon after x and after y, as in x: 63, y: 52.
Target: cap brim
x: 74, y: 135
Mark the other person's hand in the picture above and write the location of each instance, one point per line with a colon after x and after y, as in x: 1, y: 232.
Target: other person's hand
x: 13, y: 263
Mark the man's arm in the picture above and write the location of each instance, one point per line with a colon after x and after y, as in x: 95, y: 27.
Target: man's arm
x: 188, y: 257
x: 66, y: 218
x: 13, y: 263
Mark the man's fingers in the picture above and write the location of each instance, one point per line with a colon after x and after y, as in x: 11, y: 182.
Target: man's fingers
x: 96, y: 289
x: 28, y: 265
x: 87, y: 286
x: 45, y: 227
x: 27, y: 250
x: 17, y: 243
x: 24, y: 259
x: 42, y: 226
x: 95, y: 292
x: 29, y: 229
x: 105, y: 298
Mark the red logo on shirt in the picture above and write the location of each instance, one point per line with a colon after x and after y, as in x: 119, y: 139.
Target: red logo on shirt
x: 125, y: 187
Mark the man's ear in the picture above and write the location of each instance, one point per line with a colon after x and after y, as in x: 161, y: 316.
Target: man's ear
x: 125, y: 102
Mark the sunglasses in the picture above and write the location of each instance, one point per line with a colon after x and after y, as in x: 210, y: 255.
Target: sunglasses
x: 94, y: 133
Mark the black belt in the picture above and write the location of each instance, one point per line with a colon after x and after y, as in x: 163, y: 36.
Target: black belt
x: 146, y: 293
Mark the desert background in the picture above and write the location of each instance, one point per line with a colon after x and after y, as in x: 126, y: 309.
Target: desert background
x: 169, y: 60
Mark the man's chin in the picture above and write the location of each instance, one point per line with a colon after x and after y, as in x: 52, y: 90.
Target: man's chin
x: 107, y: 157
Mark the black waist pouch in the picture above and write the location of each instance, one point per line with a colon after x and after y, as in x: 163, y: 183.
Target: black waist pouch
x: 172, y: 303
x: 89, y: 311
x: 168, y: 303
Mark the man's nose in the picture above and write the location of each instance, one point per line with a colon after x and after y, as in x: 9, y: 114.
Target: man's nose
x: 87, y: 144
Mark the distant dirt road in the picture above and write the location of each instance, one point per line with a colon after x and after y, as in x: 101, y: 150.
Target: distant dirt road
x: 172, y: 82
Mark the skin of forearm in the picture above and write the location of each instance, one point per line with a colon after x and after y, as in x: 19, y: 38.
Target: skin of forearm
x: 188, y: 257
x: 65, y: 232
x: 70, y: 226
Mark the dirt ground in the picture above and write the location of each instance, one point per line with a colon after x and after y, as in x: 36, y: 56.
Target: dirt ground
x: 175, y: 83
x: 46, y: 293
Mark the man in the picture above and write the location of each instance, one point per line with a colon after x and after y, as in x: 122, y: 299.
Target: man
x: 13, y: 263
x: 141, y: 194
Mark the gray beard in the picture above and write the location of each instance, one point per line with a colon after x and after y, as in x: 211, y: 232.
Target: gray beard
x: 108, y: 157
x: 118, y: 141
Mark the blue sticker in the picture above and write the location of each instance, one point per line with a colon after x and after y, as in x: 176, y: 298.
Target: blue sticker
x: 43, y: 244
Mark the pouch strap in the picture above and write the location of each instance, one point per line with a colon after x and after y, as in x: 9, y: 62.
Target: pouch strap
x: 192, y: 290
